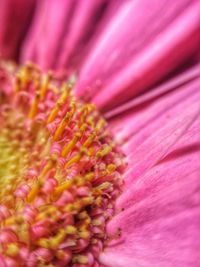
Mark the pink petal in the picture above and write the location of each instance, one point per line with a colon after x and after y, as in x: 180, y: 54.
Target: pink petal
x: 15, y: 16
x: 174, y: 83
x: 159, y: 209
x: 46, y: 32
x: 80, y: 27
x: 170, y: 242
x: 183, y: 160
x: 147, y: 115
x: 160, y: 223
x: 60, y: 33
x: 148, y: 54
x: 159, y: 137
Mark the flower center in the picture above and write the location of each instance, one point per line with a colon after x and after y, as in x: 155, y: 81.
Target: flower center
x: 60, y: 173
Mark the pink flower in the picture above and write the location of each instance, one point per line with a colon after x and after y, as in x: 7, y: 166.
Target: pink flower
x: 62, y: 200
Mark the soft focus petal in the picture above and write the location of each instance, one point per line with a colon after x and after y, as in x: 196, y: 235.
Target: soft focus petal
x: 61, y: 32
x: 15, y: 16
x: 127, y: 62
x: 43, y: 40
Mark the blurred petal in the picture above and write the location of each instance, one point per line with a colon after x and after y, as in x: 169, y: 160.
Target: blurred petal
x: 125, y: 63
x: 81, y: 27
x: 15, y: 16
x: 60, y: 33
x: 47, y: 29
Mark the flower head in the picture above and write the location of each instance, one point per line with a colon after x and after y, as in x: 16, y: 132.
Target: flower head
x: 76, y: 190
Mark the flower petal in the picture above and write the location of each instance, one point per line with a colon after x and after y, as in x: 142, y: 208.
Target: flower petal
x: 160, y: 223
x: 46, y: 31
x: 167, y: 243
x: 154, y: 141
x: 60, y: 33
x: 15, y: 16
x: 82, y: 26
x: 185, y: 153
x: 146, y: 118
x: 125, y: 63
x: 176, y: 82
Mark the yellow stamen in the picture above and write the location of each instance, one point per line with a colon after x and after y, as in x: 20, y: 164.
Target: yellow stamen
x: 61, y: 188
x: 70, y: 230
x: 100, y: 125
x: 74, y: 159
x: 55, y: 241
x: 80, y: 259
x: 47, y: 167
x: 54, y: 179
x: 43, y: 242
x: 45, y: 84
x: 70, y: 145
x: 34, y: 191
x: 17, y: 84
x: 61, y: 127
x: 84, y: 234
x: 89, y: 140
x: 89, y: 176
x: 59, y: 103
x: 111, y: 168
x: 34, y: 106
x: 103, y: 152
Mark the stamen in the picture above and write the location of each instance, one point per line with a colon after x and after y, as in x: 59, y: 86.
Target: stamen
x: 34, y: 106
x: 61, y: 127
x: 61, y: 101
x: 45, y: 83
